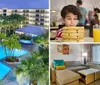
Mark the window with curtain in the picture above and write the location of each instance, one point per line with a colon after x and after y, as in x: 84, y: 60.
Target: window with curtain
x: 96, y: 54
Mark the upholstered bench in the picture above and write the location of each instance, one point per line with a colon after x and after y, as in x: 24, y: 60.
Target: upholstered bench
x: 87, y: 76
x: 67, y: 77
x: 97, y: 73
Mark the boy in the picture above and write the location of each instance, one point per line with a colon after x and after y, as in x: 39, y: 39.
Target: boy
x: 70, y: 15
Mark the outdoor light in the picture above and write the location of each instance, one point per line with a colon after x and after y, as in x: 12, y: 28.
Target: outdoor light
x: 84, y: 54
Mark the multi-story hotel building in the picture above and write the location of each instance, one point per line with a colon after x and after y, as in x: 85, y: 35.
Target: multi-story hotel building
x: 34, y: 16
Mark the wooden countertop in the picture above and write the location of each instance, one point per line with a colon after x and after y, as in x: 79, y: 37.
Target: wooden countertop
x: 86, y: 40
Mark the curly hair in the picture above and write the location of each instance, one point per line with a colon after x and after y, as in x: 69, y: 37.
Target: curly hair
x: 70, y: 9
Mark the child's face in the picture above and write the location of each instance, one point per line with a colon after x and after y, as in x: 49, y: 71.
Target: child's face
x: 70, y: 20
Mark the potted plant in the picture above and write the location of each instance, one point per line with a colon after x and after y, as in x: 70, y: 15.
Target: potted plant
x: 12, y: 60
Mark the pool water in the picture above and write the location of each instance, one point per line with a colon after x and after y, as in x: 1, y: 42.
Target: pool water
x: 4, y: 70
x: 17, y: 53
x: 25, y: 41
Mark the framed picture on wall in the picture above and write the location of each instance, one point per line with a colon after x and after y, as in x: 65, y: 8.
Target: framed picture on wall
x: 59, y: 48
x: 64, y: 48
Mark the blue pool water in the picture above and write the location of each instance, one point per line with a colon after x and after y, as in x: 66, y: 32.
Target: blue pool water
x: 16, y: 53
x: 4, y: 70
x: 25, y: 41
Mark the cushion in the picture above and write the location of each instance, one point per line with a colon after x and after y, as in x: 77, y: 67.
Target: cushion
x: 60, y: 67
x: 66, y: 76
x: 58, y: 63
x: 72, y: 63
x: 77, y: 68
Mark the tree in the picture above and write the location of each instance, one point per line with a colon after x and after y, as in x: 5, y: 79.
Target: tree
x: 10, y: 43
x: 42, y: 39
x: 12, y: 21
x: 34, y: 68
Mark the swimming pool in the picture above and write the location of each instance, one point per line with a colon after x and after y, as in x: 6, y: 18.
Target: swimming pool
x: 4, y: 70
x: 25, y: 41
x: 17, y: 52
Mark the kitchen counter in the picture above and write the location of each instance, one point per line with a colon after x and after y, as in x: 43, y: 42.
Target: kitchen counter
x: 86, y: 40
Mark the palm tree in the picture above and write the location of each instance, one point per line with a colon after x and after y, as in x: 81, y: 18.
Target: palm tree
x: 10, y: 43
x: 16, y: 19
x: 42, y: 39
x: 34, y: 68
x: 12, y: 21
x: 1, y: 20
x: 2, y: 37
x: 20, y: 19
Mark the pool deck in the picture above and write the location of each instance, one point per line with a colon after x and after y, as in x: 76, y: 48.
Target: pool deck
x: 30, y: 47
x: 10, y: 79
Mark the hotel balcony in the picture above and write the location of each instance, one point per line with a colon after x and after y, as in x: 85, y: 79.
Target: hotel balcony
x: 39, y: 24
x: 0, y: 12
x: 40, y: 12
x: 39, y: 17
x: 39, y: 21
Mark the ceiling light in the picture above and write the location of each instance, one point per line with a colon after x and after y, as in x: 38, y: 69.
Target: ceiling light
x: 53, y: 11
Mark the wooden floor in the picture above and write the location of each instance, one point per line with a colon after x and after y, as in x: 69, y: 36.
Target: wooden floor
x: 97, y: 82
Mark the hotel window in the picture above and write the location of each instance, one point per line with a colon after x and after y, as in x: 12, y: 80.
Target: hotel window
x: 12, y: 11
x: 24, y: 14
x: 96, y: 54
x: 37, y: 19
x: 24, y: 11
x: 37, y: 10
x: 27, y: 11
x: 37, y: 15
x: 4, y: 14
x: 36, y: 23
x: 42, y: 24
x: 27, y: 15
x: 42, y: 11
x: 4, y: 10
x: 15, y: 11
x: 41, y: 19
x: 42, y: 15
x: 27, y: 22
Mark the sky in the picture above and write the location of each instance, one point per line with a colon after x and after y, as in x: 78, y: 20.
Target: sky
x: 24, y: 4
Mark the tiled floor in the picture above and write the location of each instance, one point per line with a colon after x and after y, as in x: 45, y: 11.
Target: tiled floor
x: 10, y: 79
x: 94, y: 83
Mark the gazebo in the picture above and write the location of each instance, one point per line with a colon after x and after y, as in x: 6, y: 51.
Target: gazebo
x: 31, y: 31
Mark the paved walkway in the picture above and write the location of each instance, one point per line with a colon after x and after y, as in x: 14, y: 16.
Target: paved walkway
x: 10, y: 79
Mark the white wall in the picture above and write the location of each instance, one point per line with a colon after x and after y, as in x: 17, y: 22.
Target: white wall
x: 57, y: 5
x: 74, y: 55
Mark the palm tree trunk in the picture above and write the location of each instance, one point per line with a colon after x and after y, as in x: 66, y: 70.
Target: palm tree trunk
x: 5, y: 31
x: 0, y: 29
x: 34, y: 83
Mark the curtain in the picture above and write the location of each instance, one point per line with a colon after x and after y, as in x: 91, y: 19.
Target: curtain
x: 96, y: 53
